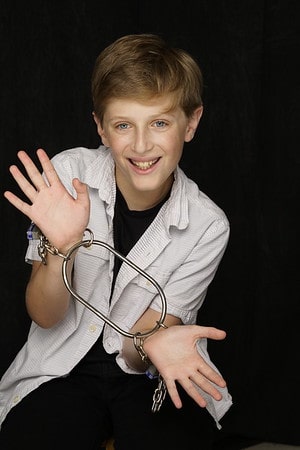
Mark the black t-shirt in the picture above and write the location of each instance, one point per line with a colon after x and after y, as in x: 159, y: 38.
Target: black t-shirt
x: 128, y: 226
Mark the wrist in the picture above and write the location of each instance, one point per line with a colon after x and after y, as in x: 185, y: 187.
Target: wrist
x: 140, y: 340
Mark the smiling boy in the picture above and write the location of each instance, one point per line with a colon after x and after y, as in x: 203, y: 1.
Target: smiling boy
x: 77, y: 380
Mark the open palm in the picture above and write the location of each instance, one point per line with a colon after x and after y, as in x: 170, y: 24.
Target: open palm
x: 61, y: 217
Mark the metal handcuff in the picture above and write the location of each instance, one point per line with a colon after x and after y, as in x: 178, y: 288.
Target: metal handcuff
x: 139, y: 337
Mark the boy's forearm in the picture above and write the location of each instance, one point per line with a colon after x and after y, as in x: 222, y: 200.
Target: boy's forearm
x: 47, y: 298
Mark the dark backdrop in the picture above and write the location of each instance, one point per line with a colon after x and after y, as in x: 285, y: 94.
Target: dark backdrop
x: 244, y: 156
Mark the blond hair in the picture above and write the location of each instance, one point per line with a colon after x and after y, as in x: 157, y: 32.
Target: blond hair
x: 143, y: 66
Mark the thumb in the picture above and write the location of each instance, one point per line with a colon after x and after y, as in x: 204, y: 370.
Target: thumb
x: 211, y: 333
x: 81, y: 189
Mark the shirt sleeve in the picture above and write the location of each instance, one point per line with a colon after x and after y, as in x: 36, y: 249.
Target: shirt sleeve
x: 187, y: 286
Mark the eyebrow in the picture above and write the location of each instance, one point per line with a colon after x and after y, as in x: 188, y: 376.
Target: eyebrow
x: 151, y: 117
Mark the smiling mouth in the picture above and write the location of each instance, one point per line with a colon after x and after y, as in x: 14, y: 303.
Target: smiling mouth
x: 144, y: 165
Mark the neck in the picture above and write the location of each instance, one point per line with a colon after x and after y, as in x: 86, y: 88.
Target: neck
x: 147, y: 199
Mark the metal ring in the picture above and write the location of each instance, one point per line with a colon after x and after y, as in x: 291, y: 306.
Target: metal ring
x: 88, y: 243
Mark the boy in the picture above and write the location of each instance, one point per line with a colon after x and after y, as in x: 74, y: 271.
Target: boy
x: 77, y: 381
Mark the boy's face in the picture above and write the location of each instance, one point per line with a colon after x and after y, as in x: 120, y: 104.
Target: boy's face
x: 146, y: 140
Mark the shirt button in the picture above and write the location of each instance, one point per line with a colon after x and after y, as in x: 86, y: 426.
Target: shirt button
x: 92, y: 328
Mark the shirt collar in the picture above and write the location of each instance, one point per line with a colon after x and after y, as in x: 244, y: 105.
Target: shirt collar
x: 100, y: 175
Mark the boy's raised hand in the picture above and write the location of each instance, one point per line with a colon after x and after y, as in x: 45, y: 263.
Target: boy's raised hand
x: 61, y: 217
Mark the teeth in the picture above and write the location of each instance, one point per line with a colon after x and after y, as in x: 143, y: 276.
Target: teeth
x: 144, y: 165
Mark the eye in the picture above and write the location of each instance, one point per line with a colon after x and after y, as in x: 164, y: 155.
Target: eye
x: 122, y: 126
x: 160, y: 124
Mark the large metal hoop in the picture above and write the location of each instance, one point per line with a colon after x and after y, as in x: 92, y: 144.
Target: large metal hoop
x: 88, y: 243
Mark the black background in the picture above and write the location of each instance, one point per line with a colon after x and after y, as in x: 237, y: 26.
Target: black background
x: 244, y: 156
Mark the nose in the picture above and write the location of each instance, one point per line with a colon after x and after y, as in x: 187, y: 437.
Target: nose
x: 141, y: 141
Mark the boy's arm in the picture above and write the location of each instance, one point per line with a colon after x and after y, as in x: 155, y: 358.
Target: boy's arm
x: 62, y: 219
x: 47, y: 298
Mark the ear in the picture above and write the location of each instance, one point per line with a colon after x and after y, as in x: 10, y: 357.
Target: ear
x: 100, y: 130
x: 193, y: 123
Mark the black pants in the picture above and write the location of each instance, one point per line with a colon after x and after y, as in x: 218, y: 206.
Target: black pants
x: 80, y: 411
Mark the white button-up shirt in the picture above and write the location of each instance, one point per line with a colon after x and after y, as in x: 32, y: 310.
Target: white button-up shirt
x: 181, y: 250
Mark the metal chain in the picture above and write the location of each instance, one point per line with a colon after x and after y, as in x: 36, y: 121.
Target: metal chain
x: 45, y: 247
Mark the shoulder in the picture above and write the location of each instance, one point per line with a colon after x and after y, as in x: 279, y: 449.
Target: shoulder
x: 87, y: 164
x: 200, y: 208
x: 80, y: 155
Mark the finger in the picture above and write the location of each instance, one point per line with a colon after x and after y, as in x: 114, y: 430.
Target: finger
x: 81, y: 189
x: 191, y: 390
x: 47, y: 166
x: 207, y: 372
x: 173, y: 393
x: 23, y: 183
x: 18, y: 203
x: 82, y: 195
x: 210, y: 333
x: 32, y: 171
x: 206, y: 386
